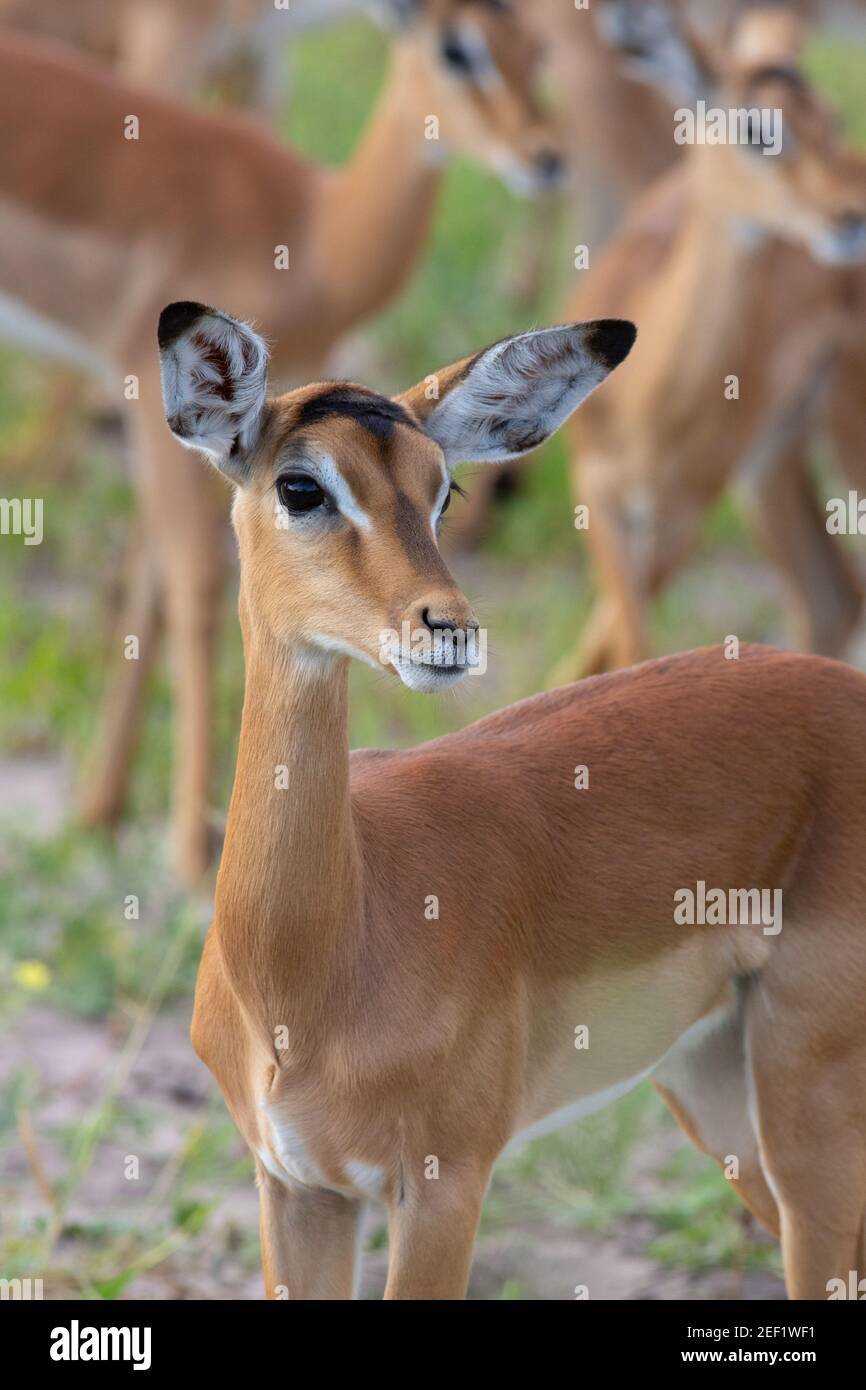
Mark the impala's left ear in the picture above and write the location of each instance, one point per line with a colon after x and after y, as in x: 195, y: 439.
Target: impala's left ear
x: 512, y: 396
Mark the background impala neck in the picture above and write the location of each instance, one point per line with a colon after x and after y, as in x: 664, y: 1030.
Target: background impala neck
x: 374, y: 214
x: 709, y: 282
x: 288, y: 890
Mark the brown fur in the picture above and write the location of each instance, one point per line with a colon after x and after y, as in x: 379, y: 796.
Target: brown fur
x: 410, y: 1039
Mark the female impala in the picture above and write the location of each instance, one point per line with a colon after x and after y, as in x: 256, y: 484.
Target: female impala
x: 369, y: 1047
x: 98, y: 231
x: 765, y: 252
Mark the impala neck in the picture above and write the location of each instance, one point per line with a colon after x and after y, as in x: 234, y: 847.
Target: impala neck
x: 705, y: 292
x: 374, y: 213
x: 288, y: 891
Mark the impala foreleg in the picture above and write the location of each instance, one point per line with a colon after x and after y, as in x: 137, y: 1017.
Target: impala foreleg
x: 432, y: 1230
x: 309, y: 1240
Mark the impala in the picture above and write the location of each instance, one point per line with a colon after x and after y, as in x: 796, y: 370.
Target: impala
x: 97, y: 231
x: 763, y: 253
x: 370, y: 1049
x: 175, y: 44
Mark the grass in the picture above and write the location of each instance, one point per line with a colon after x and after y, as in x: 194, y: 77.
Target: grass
x: 69, y: 950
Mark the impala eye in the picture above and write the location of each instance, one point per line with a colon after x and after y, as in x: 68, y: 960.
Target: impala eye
x: 300, y: 493
x: 455, y: 487
x: 456, y: 56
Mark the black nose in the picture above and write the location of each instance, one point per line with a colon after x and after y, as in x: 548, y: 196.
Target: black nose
x: 549, y: 165
x: 852, y: 223
x: 437, y: 623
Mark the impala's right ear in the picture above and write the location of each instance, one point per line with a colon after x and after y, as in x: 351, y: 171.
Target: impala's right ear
x: 214, y: 383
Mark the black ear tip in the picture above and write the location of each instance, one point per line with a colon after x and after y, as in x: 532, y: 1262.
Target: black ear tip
x: 612, y: 340
x: 176, y: 318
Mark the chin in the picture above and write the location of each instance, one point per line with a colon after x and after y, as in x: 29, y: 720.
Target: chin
x: 428, y: 679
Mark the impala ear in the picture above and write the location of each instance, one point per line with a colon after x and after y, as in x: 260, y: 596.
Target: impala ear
x: 657, y: 46
x: 514, y: 395
x: 214, y: 383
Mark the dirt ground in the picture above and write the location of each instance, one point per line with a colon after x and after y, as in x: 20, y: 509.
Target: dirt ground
x: 78, y: 1055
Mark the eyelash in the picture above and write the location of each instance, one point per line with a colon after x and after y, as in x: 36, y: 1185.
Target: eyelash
x: 327, y: 502
x: 455, y: 487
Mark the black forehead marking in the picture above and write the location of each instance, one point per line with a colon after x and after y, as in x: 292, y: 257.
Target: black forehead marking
x: 376, y: 414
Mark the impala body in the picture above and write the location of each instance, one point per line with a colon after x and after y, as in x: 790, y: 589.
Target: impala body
x: 114, y: 200
x: 745, y: 269
x: 405, y: 945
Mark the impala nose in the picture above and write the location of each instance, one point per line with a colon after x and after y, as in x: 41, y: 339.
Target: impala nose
x: 443, y: 622
x: 852, y: 223
x: 550, y: 167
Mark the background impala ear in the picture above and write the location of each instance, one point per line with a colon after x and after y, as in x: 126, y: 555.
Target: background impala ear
x: 214, y: 383
x: 514, y: 395
x: 657, y: 46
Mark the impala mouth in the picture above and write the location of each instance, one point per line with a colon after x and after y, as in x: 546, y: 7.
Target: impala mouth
x: 433, y: 658
x: 429, y: 676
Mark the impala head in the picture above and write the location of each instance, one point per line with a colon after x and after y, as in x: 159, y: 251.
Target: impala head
x: 790, y: 173
x: 340, y: 492
x: 476, y: 73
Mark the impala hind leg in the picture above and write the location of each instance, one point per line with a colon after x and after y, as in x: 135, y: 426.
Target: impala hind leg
x: 309, y: 1240
x: 825, y: 596
x: 432, y: 1235
x: 809, y: 1077
x: 704, y: 1081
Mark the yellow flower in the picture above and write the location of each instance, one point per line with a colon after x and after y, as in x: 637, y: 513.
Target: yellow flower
x: 32, y: 974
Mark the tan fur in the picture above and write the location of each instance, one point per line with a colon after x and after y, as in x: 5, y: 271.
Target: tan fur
x: 97, y: 232
x: 409, y: 1040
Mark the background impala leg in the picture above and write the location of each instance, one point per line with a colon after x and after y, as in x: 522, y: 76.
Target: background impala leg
x: 185, y: 522
x: 594, y: 653
x: 704, y: 1082
x: 615, y: 634
x: 108, y: 777
x: 432, y: 1237
x: 822, y: 587
x: 309, y: 1241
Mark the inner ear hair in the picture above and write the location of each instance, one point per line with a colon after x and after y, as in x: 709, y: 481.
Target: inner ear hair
x: 508, y: 399
x: 214, y: 383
